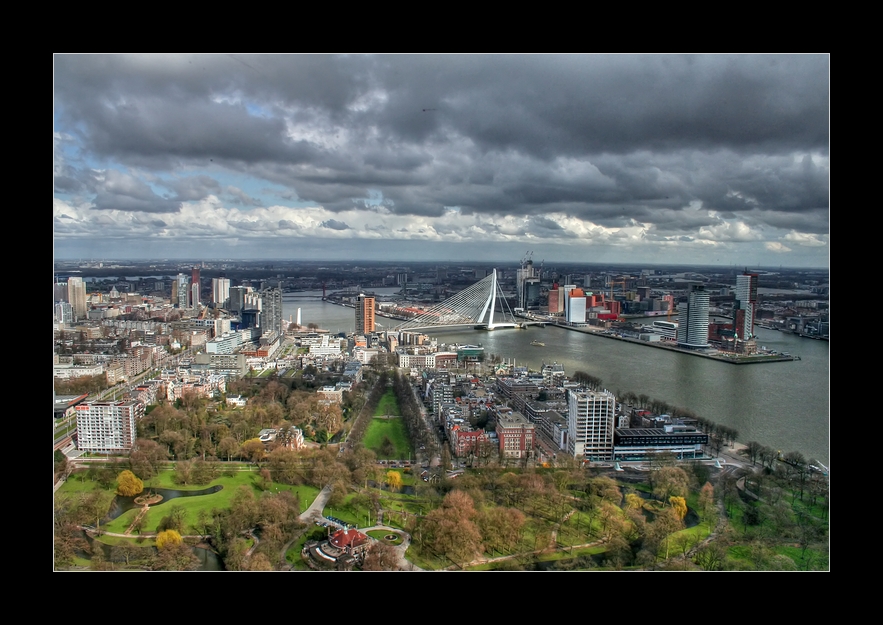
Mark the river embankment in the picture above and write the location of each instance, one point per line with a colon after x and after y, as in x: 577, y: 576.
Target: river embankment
x: 734, y: 359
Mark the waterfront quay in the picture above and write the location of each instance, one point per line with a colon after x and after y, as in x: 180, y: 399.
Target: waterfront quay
x: 735, y: 359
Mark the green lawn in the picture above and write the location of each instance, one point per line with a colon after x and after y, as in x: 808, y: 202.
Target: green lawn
x: 382, y: 534
x: 394, y: 429
x: 292, y: 556
x: 190, y: 505
x: 388, y: 405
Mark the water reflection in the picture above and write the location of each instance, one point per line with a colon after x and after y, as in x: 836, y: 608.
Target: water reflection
x: 122, y: 504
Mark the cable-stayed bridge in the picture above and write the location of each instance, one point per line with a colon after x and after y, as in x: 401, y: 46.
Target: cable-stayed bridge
x: 475, y: 306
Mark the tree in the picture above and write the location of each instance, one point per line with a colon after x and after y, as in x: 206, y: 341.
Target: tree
x: 173, y: 521
x: 387, y: 447
x: 706, y: 500
x: 147, y: 457
x: 394, y: 480
x: 253, y: 449
x: 259, y: 562
x: 633, y: 501
x: 666, y: 523
x: 669, y: 481
x: 711, y: 557
x: 228, y: 447
x: 606, y: 489
x: 168, y: 538
x: 175, y: 557
x: 449, y: 530
x: 128, y: 484
x: 125, y: 552
x: 381, y: 557
x: 183, y: 472
x: 679, y: 504
x: 753, y: 451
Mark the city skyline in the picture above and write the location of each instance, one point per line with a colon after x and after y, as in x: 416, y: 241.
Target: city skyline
x: 721, y: 159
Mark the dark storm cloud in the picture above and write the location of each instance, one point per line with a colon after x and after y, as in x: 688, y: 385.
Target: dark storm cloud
x: 123, y: 192
x: 66, y: 184
x: 675, y: 142
x: 333, y: 224
x: 192, y: 187
x: 541, y: 226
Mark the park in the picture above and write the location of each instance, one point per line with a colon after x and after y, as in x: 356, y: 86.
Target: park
x: 254, y: 513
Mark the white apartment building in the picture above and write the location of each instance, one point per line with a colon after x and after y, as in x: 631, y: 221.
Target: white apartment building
x: 107, y: 426
x: 220, y: 291
x: 693, y: 319
x: 591, y: 420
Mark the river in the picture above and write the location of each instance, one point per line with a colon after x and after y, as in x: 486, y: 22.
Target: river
x: 784, y: 405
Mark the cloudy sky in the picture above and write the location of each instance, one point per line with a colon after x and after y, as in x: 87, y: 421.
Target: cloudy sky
x: 714, y: 159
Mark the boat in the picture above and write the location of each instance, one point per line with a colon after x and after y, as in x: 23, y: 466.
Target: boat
x: 538, y: 343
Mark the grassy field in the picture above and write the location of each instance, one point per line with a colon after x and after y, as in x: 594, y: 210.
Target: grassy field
x: 191, y: 505
x: 394, y: 429
x: 388, y: 405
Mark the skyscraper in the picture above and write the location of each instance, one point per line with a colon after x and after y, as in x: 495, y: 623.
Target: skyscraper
x: 521, y: 275
x: 693, y: 318
x: 591, y: 419
x: 746, y: 305
x: 180, y: 291
x: 194, y: 288
x: 271, y: 309
x: 237, y: 298
x: 364, y: 314
x: 76, y: 295
x: 220, y: 291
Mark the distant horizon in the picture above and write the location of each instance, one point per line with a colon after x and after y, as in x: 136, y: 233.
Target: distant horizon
x: 196, y: 260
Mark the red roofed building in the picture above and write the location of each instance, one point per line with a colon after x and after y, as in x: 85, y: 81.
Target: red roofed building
x: 342, y: 549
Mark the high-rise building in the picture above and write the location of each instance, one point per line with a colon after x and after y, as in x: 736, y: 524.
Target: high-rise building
x: 746, y: 305
x: 194, y: 288
x: 364, y: 314
x: 64, y: 313
x: 556, y: 300
x: 194, y: 295
x: 237, y: 298
x: 107, y: 426
x: 693, y: 318
x: 521, y: 275
x: 271, y: 309
x: 76, y: 296
x: 59, y: 292
x: 574, y: 304
x: 591, y: 420
x: 220, y: 291
x: 530, y: 291
x: 180, y: 292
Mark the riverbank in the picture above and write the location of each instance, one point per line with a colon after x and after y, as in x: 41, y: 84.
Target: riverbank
x: 734, y: 359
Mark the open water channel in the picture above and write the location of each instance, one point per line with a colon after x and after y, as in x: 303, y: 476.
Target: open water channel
x: 784, y: 405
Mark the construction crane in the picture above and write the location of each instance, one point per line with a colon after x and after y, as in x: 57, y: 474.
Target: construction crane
x: 614, y: 283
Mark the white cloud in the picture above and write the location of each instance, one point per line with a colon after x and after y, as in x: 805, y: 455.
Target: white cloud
x: 806, y: 240
x: 776, y: 247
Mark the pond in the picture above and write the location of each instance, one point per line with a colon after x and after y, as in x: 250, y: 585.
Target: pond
x: 121, y: 504
x: 208, y: 559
